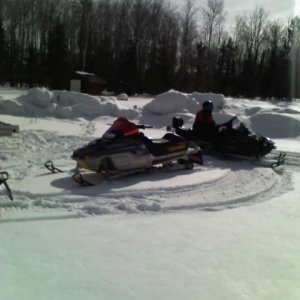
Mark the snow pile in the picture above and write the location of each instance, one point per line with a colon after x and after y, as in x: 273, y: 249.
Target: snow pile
x: 171, y: 102
x: 65, y: 104
x: 177, y: 102
x: 40, y: 97
x: 272, y: 119
x: 276, y: 125
x: 72, y: 104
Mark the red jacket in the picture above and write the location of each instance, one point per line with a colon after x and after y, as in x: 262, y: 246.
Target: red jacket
x: 203, y: 118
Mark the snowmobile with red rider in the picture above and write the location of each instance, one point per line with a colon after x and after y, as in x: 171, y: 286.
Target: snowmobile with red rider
x: 124, y: 150
x: 231, y: 139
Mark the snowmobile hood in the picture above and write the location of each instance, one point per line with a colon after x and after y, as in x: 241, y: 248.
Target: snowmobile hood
x: 124, y: 127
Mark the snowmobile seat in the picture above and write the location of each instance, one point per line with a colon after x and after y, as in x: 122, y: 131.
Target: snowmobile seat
x: 167, y: 144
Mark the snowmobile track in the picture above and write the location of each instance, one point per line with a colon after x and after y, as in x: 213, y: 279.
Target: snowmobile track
x: 238, y: 184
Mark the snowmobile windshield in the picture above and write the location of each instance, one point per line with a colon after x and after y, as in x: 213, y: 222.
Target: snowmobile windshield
x: 121, y: 127
x: 236, y: 123
x: 240, y: 126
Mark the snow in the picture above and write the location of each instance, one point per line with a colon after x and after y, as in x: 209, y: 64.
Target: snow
x: 177, y: 102
x: 64, y: 104
x: 226, y: 230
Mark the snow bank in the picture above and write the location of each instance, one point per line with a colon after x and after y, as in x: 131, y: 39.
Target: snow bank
x: 65, y: 104
x: 171, y: 102
x: 276, y: 125
x: 83, y: 105
x: 11, y: 107
x: 177, y: 102
x: 40, y: 97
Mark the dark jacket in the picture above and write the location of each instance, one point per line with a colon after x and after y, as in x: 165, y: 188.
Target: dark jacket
x: 205, y: 126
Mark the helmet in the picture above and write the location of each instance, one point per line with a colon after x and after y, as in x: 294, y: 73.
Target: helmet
x: 208, y: 106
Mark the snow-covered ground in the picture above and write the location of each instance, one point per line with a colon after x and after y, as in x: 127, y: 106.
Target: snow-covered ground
x: 225, y: 230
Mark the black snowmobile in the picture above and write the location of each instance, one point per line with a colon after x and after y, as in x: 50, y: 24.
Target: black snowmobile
x: 233, y: 139
x: 124, y: 150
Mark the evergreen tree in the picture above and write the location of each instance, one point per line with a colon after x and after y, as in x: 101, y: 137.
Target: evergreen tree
x: 201, y: 73
x: 225, y: 71
x: 34, y: 74
x: 58, y: 63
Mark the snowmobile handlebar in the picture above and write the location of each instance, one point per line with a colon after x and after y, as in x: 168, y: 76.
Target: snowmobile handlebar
x: 144, y: 126
x: 228, y: 123
x: 140, y: 126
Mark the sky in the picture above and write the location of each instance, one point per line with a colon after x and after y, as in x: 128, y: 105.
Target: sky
x: 226, y: 230
x: 277, y: 9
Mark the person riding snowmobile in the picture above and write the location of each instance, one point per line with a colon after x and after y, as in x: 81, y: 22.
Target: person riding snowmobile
x: 204, y: 125
x: 226, y: 138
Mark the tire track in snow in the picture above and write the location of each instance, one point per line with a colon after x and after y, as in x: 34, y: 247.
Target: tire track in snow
x: 234, y: 188
x: 241, y: 183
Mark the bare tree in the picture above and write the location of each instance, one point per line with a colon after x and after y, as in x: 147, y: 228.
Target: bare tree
x: 251, y: 31
x: 188, y: 40
x: 86, y: 8
x: 213, y: 22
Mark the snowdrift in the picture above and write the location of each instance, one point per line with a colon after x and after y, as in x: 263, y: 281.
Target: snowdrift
x: 276, y: 125
x: 177, y: 102
x: 269, y: 119
x: 40, y: 102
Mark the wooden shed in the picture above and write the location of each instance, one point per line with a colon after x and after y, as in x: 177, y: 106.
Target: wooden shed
x: 87, y: 83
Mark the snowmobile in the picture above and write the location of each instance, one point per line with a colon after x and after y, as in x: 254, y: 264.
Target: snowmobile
x: 124, y: 150
x: 232, y: 139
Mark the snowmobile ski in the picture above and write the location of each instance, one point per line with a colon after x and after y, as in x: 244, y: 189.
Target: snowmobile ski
x: 292, y: 158
x: 79, y: 178
x: 3, y: 180
x: 278, y: 159
x: 264, y: 161
x: 88, y: 178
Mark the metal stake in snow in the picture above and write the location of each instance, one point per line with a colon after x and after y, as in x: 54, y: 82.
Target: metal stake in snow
x: 50, y: 166
x: 3, y: 180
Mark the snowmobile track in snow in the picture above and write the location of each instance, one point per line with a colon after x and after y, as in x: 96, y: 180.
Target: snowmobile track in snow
x: 216, y: 185
x: 224, y: 184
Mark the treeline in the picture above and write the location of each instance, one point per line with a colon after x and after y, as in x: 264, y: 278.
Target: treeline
x: 148, y: 46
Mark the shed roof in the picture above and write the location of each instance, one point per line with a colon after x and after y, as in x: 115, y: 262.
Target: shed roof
x: 90, y: 76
